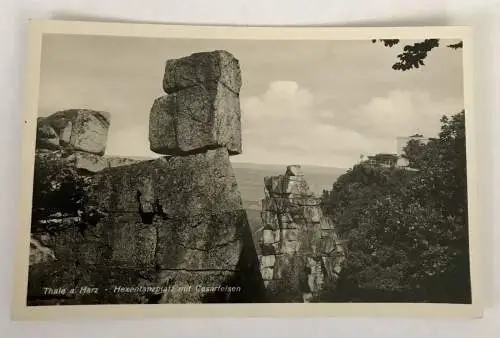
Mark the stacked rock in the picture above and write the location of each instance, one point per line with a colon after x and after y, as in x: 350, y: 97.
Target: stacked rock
x: 178, y: 221
x: 300, y: 251
x: 202, y: 108
x: 169, y: 230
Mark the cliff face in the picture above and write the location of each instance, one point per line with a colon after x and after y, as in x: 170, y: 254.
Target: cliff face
x: 301, y: 253
x: 175, y: 225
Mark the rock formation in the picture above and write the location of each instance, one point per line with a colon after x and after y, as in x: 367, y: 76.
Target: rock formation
x: 168, y: 230
x: 301, y: 254
x: 77, y: 129
x: 202, y: 108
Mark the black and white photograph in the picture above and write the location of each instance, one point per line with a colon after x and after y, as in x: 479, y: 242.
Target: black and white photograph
x: 192, y: 170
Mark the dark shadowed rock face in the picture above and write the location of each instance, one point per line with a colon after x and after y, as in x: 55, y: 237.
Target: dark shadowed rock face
x: 166, y: 223
x: 78, y: 129
x: 301, y: 254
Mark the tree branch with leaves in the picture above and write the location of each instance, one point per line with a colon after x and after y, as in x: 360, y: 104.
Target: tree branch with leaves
x: 413, y: 55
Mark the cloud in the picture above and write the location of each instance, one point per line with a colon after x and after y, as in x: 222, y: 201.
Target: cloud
x: 404, y: 113
x: 397, y: 113
x: 290, y: 124
x: 282, y: 126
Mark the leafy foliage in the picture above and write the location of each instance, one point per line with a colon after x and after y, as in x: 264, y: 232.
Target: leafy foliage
x: 57, y: 189
x: 413, y: 55
x: 407, y: 231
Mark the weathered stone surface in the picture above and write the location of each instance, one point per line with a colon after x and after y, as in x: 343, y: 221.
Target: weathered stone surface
x: 215, y: 244
x: 87, y: 161
x: 295, y: 185
x: 202, y: 108
x: 195, y: 119
x: 180, y: 217
x: 116, y: 161
x: 270, y: 236
x: 79, y: 129
x: 286, y: 218
x: 267, y: 273
x: 202, y: 68
x: 46, y: 136
x: 178, y: 189
x: 269, y: 220
x: 162, y: 125
x: 267, y: 261
x: 287, y: 186
x: 309, y: 252
x: 289, y: 234
x: 289, y: 247
x: 294, y: 170
x: 326, y: 225
x: 40, y: 253
x: 195, y: 286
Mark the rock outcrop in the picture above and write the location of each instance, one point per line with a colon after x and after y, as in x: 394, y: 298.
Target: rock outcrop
x: 78, y: 129
x: 301, y: 254
x: 68, y: 154
x: 167, y: 230
x: 179, y: 219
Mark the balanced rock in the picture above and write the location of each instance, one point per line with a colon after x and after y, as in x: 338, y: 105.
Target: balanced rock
x: 301, y: 254
x: 78, y: 129
x: 202, y: 109
x: 168, y: 230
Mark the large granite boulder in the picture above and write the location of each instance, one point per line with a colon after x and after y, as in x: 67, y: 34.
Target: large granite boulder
x: 202, y: 109
x: 79, y: 129
x: 301, y: 254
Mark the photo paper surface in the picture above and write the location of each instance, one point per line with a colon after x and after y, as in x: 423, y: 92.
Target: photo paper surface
x: 184, y: 170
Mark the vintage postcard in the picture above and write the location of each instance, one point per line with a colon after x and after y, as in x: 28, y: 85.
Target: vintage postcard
x: 247, y: 171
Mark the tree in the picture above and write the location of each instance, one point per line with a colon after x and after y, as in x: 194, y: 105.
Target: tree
x: 407, y: 231
x: 413, y: 152
x: 58, y: 189
x: 413, y: 55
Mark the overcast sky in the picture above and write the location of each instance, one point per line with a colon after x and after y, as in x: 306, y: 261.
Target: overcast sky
x: 304, y: 102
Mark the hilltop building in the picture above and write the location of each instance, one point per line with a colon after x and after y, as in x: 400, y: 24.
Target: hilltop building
x: 388, y: 160
x: 383, y: 160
